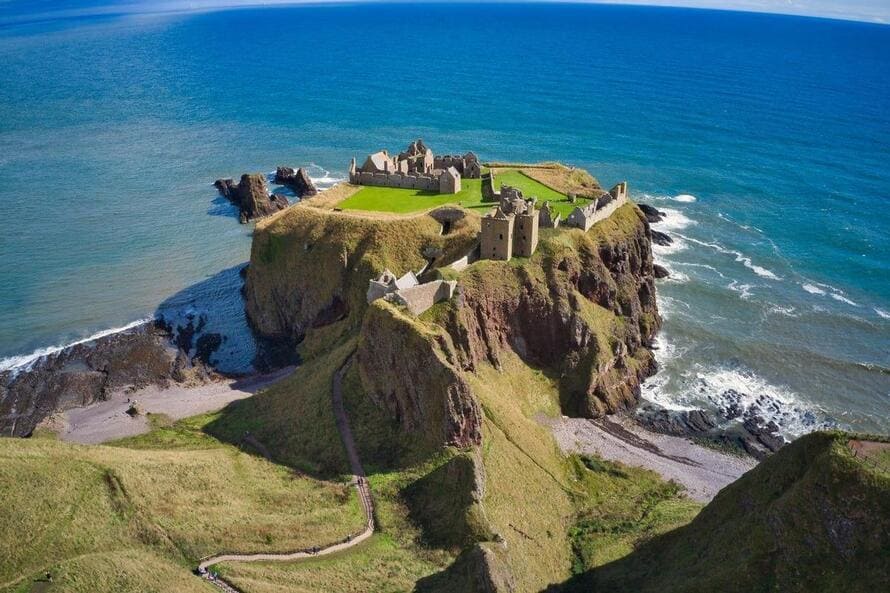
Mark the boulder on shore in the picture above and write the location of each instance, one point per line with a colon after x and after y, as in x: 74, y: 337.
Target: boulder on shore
x: 251, y: 196
x: 298, y: 180
x: 660, y: 272
x: 660, y: 238
x: 652, y: 214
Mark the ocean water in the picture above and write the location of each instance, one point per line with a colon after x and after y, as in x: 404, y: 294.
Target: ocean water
x: 766, y: 140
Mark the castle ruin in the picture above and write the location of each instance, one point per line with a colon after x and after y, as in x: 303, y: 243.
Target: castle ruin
x: 511, y: 229
x: 409, y: 292
x: 415, y: 168
x: 584, y: 217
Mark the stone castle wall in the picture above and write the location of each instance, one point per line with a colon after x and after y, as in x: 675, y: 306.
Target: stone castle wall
x: 398, y: 180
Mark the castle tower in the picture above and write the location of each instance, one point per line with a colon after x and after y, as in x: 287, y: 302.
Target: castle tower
x: 525, y: 233
x: 497, y: 236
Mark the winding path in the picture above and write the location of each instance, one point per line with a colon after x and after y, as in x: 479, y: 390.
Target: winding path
x: 358, y: 480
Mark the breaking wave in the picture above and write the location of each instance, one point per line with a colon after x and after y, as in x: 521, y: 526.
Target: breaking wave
x: 673, y: 220
x: 741, y: 394
x: 829, y: 290
x: 882, y: 314
x: 812, y: 289
x: 687, y: 198
x: 24, y: 362
x: 676, y: 246
x: 739, y: 257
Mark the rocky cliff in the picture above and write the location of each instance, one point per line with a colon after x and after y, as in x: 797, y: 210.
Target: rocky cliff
x: 573, y: 323
x: 583, y: 306
x: 309, y: 267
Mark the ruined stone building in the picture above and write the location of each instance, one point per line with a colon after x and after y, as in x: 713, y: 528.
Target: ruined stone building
x: 599, y: 209
x: 415, y: 168
x: 548, y: 218
x: 388, y: 283
x: 467, y: 165
x: 511, y: 229
x: 409, y: 292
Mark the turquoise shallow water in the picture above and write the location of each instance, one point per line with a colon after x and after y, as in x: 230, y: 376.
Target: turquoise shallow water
x: 111, y: 130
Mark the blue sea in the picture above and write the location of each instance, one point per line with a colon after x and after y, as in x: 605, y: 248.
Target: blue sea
x: 765, y: 139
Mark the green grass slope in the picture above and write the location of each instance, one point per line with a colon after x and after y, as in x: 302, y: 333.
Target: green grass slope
x: 164, y: 499
x: 811, y: 518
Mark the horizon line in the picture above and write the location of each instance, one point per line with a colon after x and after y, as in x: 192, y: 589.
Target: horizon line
x: 174, y: 7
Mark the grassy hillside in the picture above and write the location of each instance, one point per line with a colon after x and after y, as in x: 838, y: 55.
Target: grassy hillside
x: 532, y: 497
x: 165, y: 499
x: 811, y: 518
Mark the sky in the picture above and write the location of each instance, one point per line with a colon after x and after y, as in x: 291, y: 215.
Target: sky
x: 876, y: 11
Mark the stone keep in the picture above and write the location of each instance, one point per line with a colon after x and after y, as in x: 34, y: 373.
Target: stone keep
x: 525, y: 233
x: 497, y: 236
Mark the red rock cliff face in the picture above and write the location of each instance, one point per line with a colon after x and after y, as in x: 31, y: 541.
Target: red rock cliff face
x: 408, y: 369
x: 584, y: 307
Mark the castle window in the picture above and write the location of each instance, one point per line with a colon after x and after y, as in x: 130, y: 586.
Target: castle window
x: 501, y: 237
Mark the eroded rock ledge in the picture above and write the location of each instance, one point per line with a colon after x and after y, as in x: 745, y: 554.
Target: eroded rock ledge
x: 149, y: 354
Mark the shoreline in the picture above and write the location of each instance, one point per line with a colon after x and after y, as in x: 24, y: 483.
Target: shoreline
x: 701, y: 470
x: 108, y: 420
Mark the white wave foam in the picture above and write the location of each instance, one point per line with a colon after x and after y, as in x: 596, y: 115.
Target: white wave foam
x: 744, y: 290
x: 739, y: 257
x: 676, y: 246
x: 702, y: 266
x: 882, y: 314
x: 812, y: 289
x: 839, y: 296
x: 673, y: 220
x: 675, y: 276
x: 788, y: 311
x: 654, y: 388
x: 24, y: 362
x: 744, y: 394
x: 687, y: 198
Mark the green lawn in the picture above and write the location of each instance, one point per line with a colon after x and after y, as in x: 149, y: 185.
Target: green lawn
x: 530, y: 187
x: 405, y: 201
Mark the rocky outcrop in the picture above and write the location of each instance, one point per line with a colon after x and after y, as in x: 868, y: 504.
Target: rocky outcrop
x: 585, y: 308
x: 660, y: 238
x: 409, y: 370
x: 812, y: 517
x: 299, y: 181
x: 84, y: 373
x: 660, y: 272
x: 251, y: 196
x: 744, y: 430
x: 652, y: 214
